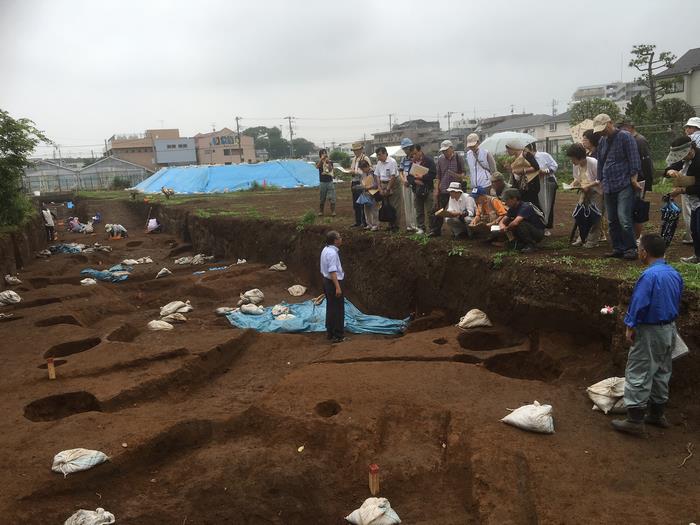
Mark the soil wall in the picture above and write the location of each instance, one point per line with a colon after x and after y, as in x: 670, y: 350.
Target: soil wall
x: 17, y: 249
x: 395, y: 276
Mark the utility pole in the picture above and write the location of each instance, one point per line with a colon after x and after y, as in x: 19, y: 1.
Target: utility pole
x: 555, y: 103
x: 390, y: 116
x: 449, y: 117
x: 512, y: 108
x: 238, y: 130
x: 291, y: 137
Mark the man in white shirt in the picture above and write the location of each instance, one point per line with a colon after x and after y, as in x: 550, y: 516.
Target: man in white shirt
x: 389, y: 184
x: 460, y: 211
x: 333, y: 277
x: 481, y: 163
x: 48, y: 222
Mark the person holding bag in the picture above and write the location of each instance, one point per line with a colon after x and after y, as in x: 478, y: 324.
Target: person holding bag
x: 356, y: 184
x: 450, y: 168
x: 370, y: 185
x: 388, y: 173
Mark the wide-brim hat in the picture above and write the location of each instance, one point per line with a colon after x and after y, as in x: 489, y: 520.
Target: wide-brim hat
x: 600, y: 121
x: 455, y: 186
x: 678, y: 153
x: 694, y: 122
x: 357, y: 145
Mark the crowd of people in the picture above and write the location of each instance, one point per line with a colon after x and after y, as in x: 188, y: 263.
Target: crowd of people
x: 612, y: 171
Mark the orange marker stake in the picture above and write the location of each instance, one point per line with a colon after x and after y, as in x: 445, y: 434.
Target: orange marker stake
x: 374, y: 479
x: 51, y: 368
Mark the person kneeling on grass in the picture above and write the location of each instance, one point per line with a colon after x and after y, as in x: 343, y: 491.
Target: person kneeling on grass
x: 489, y: 210
x: 116, y: 231
x: 460, y: 211
x: 524, y: 221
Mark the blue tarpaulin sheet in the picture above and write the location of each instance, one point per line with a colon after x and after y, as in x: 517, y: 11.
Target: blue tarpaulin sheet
x: 312, y: 318
x: 233, y: 177
x: 65, y: 248
x: 115, y: 274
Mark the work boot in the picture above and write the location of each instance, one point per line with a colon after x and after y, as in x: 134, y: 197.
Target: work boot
x: 633, y: 424
x: 656, y: 416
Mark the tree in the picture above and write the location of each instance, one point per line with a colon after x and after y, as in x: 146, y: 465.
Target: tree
x: 672, y: 111
x: 18, y: 139
x: 269, y: 139
x: 590, y: 108
x: 637, y: 110
x: 648, y: 63
x: 341, y: 157
x: 303, y: 147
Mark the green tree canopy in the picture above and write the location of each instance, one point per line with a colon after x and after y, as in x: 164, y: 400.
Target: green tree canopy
x: 340, y: 157
x: 277, y: 146
x: 672, y: 111
x: 580, y: 111
x: 18, y: 139
x: 303, y: 147
x: 637, y: 110
x: 646, y: 61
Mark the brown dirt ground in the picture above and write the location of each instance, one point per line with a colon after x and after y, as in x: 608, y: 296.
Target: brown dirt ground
x: 213, y: 417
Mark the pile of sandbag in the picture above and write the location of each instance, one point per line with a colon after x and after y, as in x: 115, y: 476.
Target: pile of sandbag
x: 279, y: 267
x: 374, y: 511
x: 254, y: 296
x: 607, y: 395
x: 97, y: 247
x: 473, y: 319
x: 241, y: 261
x: 12, y: 280
x: 91, y: 517
x: 77, y: 459
x: 140, y: 260
x: 173, y: 312
x: 281, y: 312
x: 200, y: 258
x: 534, y: 417
x: 224, y: 310
x: 9, y: 297
x: 88, y: 281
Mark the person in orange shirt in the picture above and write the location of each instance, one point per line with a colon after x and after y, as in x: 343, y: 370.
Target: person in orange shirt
x: 489, y: 210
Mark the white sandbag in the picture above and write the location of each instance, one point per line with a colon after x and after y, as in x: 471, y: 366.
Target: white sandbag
x: 474, y: 318
x: 89, y: 228
x: 6, y: 316
x: 88, y: 281
x: 177, y: 317
x: 77, y: 459
x: 374, y: 511
x: 43, y: 253
x: 159, y: 325
x: 176, y: 306
x: 252, y: 309
x: 144, y: 260
x: 241, y: 261
x: 200, y: 258
x: 618, y: 407
x: 9, y: 297
x: 130, y: 262
x: 184, y: 260
x: 163, y: 272
x: 12, y: 280
x: 254, y: 296
x: 279, y: 267
x: 535, y: 417
x: 280, y: 309
x: 285, y: 317
x: 91, y: 517
x: 297, y: 290
x: 606, y: 393
x: 224, y: 310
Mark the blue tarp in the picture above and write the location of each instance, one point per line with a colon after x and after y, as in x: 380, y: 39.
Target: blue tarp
x: 312, y: 318
x: 109, y: 275
x: 234, y: 177
x: 65, y: 248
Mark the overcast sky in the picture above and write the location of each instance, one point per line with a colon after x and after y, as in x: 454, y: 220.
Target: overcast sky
x: 84, y: 70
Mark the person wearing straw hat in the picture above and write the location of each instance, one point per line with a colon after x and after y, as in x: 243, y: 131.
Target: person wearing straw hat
x: 460, y: 210
x: 481, y: 163
x: 692, y: 129
x: 684, y: 160
x: 450, y: 168
x: 356, y: 188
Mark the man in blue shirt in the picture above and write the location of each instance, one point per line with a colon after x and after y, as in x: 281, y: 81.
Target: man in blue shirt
x: 651, y: 330
x: 619, y: 165
x: 333, y: 276
x: 524, y: 221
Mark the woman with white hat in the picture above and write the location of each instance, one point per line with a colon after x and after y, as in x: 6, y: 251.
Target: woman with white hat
x: 684, y: 160
x: 692, y: 129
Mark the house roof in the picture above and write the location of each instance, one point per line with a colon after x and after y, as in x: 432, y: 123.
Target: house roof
x: 111, y: 157
x: 213, y: 133
x: 561, y: 117
x: 688, y: 62
x: 522, y: 122
x: 52, y: 164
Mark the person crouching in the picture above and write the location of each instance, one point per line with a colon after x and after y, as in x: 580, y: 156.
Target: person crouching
x: 524, y: 221
x: 460, y: 211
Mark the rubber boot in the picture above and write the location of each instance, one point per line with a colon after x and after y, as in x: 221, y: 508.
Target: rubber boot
x: 656, y: 416
x: 633, y: 424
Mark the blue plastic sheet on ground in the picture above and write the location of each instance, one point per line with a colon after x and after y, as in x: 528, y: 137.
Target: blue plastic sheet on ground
x: 312, y: 318
x: 115, y: 274
x: 233, y: 177
x: 65, y: 248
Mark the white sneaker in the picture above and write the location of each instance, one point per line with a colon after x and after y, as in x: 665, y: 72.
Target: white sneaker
x: 693, y: 259
x: 374, y: 228
x: 547, y: 233
x: 577, y: 242
x: 419, y: 231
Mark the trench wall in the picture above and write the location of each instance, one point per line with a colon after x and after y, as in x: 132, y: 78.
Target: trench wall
x: 395, y: 276
x: 18, y: 249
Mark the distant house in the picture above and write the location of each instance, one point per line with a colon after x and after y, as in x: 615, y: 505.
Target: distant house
x: 684, y: 75
x: 531, y: 124
x: 224, y: 147
x: 46, y: 176
x: 101, y: 174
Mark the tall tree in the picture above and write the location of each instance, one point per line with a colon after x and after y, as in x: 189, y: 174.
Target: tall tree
x: 585, y: 109
x: 303, y: 147
x: 646, y: 61
x: 637, y: 109
x: 18, y: 139
x: 269, y: 139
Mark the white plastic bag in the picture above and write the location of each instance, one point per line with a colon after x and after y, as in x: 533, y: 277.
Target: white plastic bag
x: 144, y: 260
x: 163, y: 272
x: 374, y: 511
x: 130, y: 262
x: 252, y: 309
x: 91, y: 517
x: 224, y: 310
x: 88, y: 281
x: 280, y: 309
x: 679, y: 349
x: 177, y: 317
x: 253, y: 296
x: 535, y: 417
x: 77, y: 459
x: 159, y: 325
x: 297, y: 290
x: 9, y: 297
x: 176, y: 306
x: 184, y: 260
x: 473, y: 319
x: 606, y: 393
x: 285, y: 317
x: 241, y: 261
x: 200, y: 258
x: 279, y: 267
x: 12, y: 280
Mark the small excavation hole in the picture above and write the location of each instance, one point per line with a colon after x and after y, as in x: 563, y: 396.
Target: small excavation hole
x: 61, y: 405
x: 133, y: 244
x: 126, y: 333
x: 328, y: 408
x: 440, y: 341
x: 524, y: 365
x: 56, y: 362
x: 72, y: 347
x: 485, y: 339
x: 58, y: 319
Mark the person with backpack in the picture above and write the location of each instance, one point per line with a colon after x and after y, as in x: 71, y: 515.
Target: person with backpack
x: 524, y: 221
x: 481, y: 163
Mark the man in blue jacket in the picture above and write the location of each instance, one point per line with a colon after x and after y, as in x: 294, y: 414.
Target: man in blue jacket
x: 651, y: 330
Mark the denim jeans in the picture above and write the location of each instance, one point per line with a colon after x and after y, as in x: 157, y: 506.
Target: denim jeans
x: 619, y: 206
x: 695, y: 230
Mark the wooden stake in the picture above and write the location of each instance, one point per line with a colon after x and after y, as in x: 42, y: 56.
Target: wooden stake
x: 51, y: 368
x: 374, y: 479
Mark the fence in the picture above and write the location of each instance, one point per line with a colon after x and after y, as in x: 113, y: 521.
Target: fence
x: 53, y: 183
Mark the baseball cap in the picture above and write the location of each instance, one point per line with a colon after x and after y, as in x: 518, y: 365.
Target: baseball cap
x: 600, y: 121
x: 445, y: 144
x: 406, y: 142
x: 478, y: 191
x: 472, y: 140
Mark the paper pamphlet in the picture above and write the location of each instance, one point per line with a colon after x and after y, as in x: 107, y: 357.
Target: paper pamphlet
x: 418, y: 170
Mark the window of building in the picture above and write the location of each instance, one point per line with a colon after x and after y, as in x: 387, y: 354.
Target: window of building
x: 227, y: 152
x: 675, y: 85
x: 170, y: 146
x: 552, y: 126
x: 182, y: 145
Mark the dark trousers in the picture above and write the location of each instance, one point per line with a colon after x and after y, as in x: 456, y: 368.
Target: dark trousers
x: 356, y: 189
x: 335, y: 310
x: 442, y: 201
x: 527, y: 234
x: 695, y: 230
x: 49, y: 232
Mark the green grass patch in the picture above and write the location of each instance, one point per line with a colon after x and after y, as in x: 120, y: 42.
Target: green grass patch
x: 497, y: 259
x: 306, y: 220
x: 419, y: 238
x: 690, y: 274
x: 457, y: 250
x: 594, y: 266
x: 104, y: 195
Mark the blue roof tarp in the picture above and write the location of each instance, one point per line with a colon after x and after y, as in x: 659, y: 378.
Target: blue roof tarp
x: 233, y: 177
x: 312, y: 318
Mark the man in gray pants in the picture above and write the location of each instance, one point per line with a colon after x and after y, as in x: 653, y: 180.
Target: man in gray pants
x: 651, y: 330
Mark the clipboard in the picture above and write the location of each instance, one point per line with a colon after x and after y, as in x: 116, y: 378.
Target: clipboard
x: 417, y: 170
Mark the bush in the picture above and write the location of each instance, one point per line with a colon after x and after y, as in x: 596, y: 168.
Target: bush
x: 119, y: 183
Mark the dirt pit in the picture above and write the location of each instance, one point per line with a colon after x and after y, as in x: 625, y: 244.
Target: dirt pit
x: 224, y: 426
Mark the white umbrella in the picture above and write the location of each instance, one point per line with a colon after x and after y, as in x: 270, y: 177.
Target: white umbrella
x: 393, y: 151
x: 496, y: 143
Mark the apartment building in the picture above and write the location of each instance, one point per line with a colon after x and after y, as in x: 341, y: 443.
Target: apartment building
x: 223, y: 147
